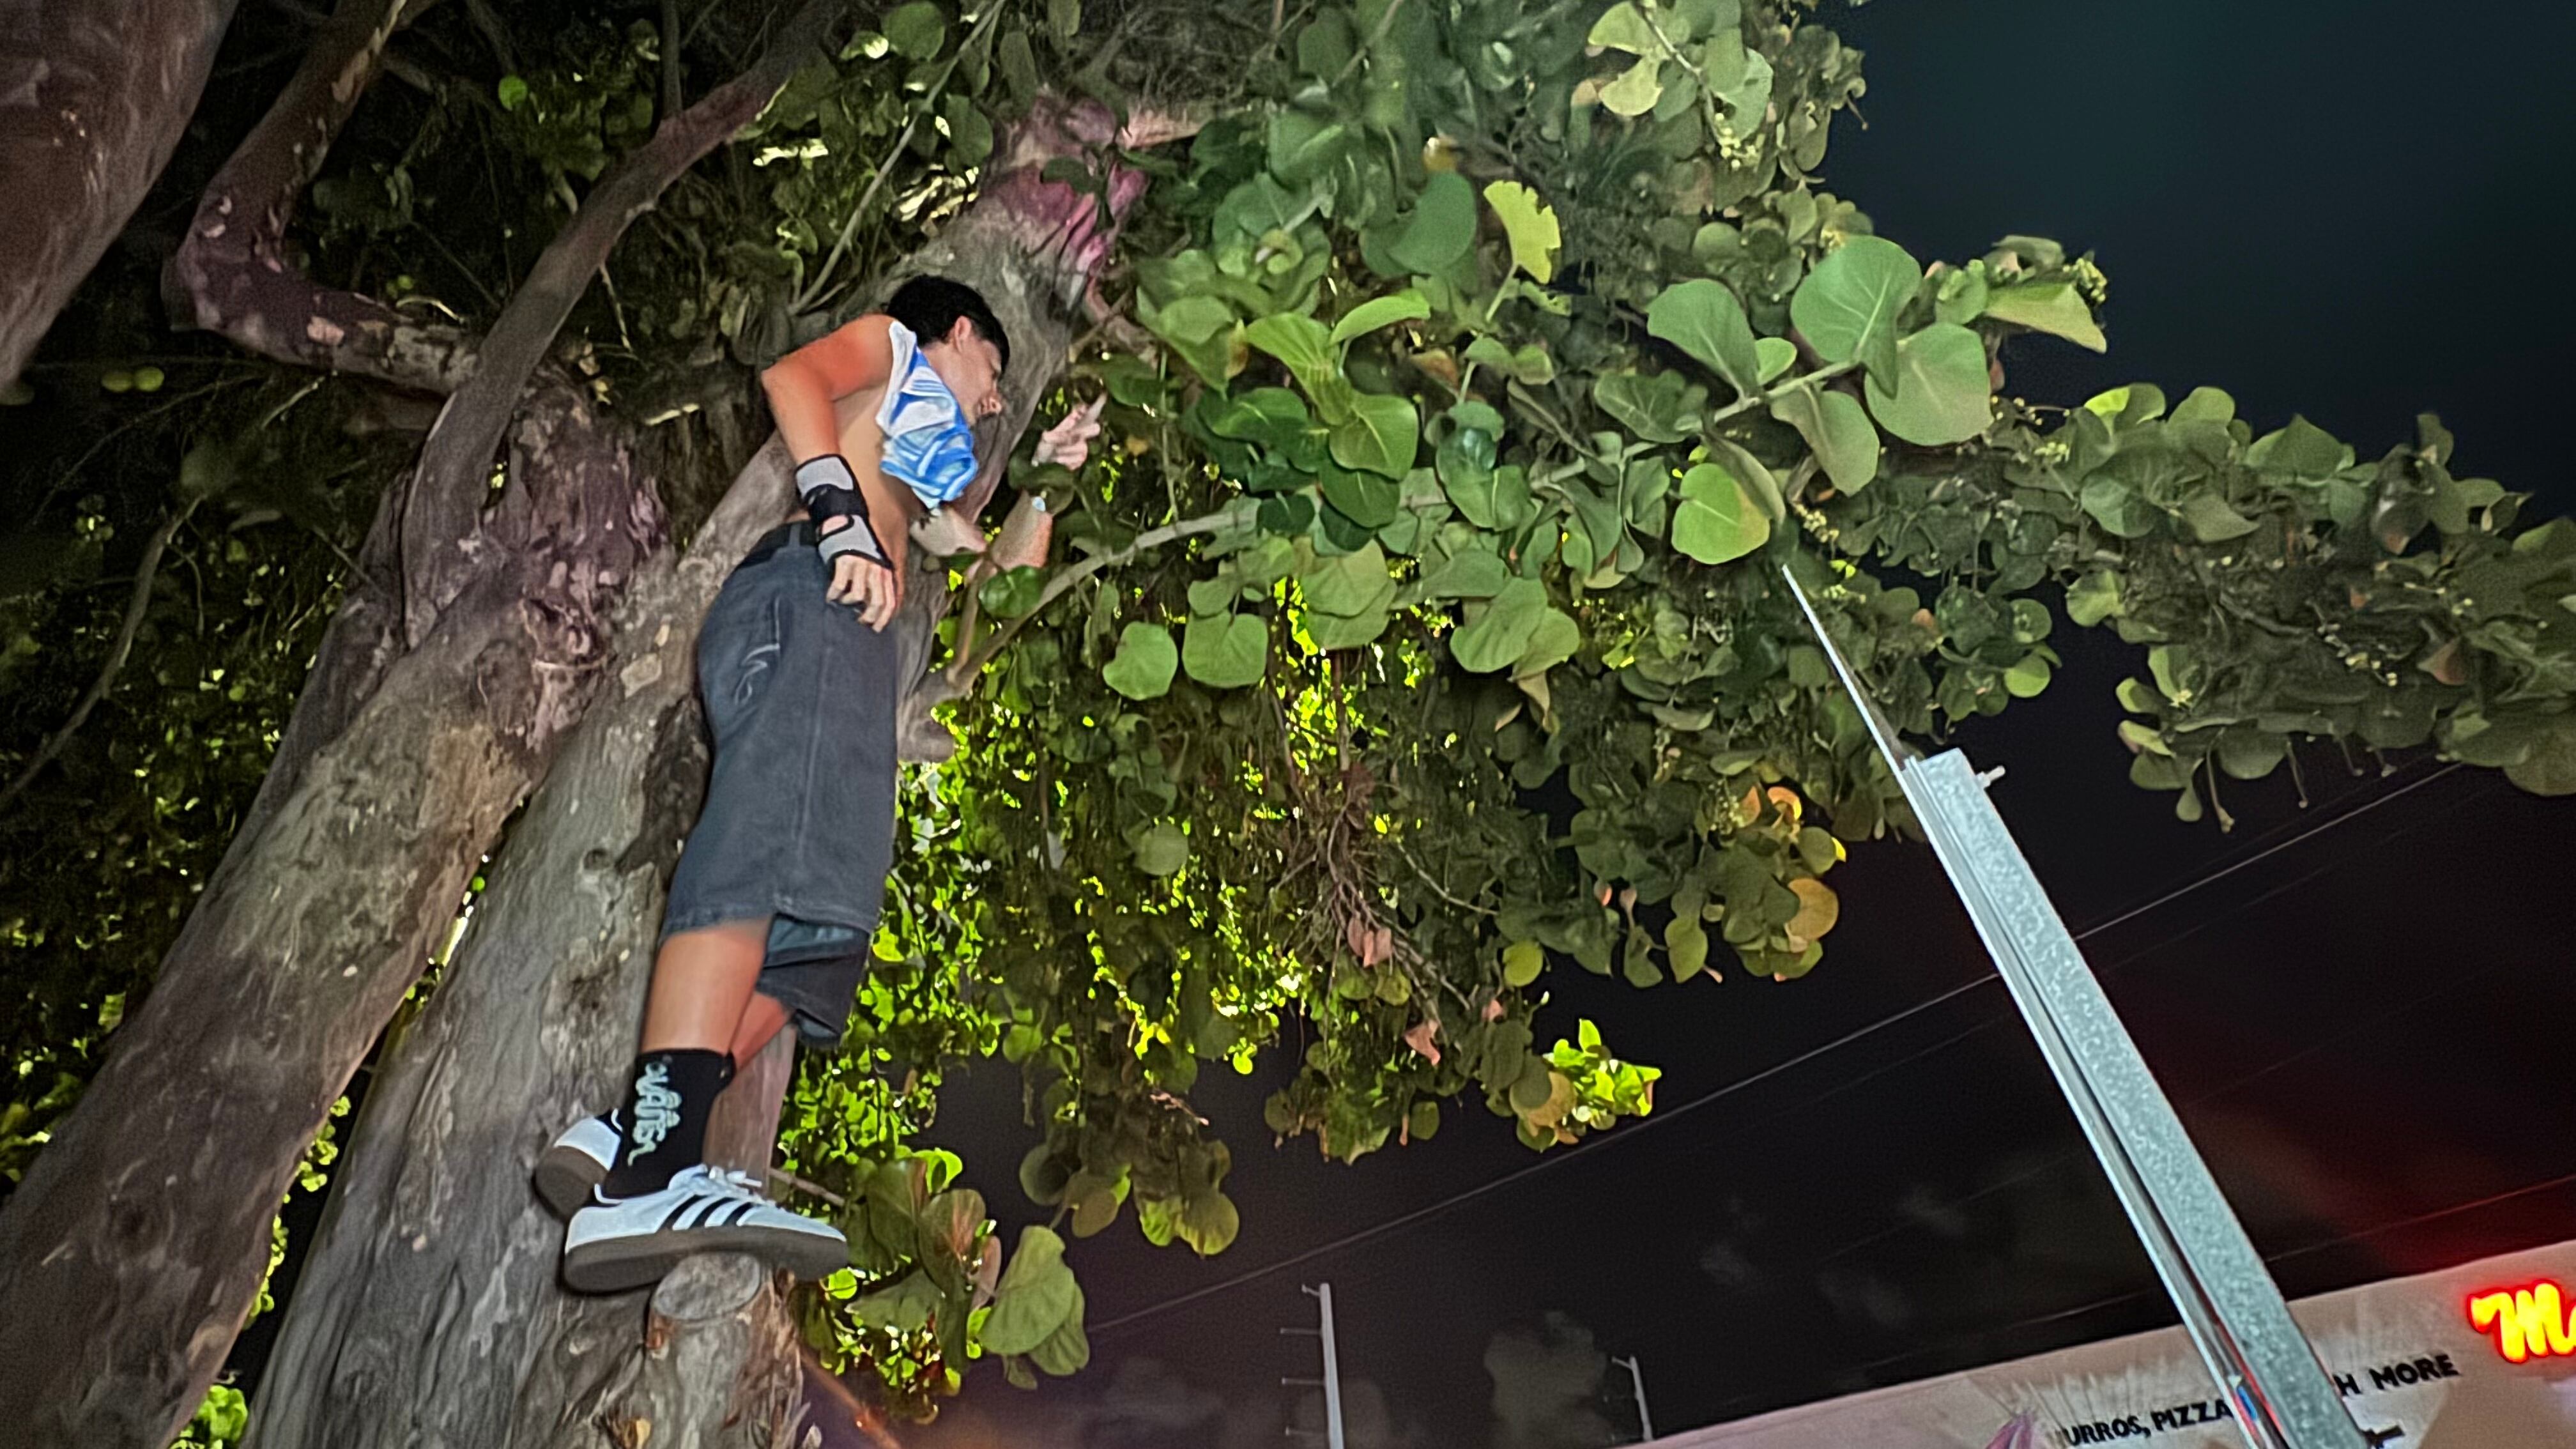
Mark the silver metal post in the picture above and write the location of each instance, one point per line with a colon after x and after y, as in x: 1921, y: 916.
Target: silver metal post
x: 1323, y: 1294
x: 2282, y: 1397
x: 1637, y: 1378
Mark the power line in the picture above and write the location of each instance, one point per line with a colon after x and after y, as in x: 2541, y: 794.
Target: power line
x: 2337, y: 1241
x: 1460, y: 1199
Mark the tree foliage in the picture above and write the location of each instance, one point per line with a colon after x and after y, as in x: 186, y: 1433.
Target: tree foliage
x: 1475, y: 372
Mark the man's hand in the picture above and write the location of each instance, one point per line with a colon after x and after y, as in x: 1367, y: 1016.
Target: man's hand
x: 873, y: 588
x: 1069, y: 441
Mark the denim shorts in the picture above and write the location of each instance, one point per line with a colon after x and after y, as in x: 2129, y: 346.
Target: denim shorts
x: 799, y: 819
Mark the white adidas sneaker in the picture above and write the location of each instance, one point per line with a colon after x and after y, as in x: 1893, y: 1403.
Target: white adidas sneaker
x: 576, y: 1161
x: 613, y: 1246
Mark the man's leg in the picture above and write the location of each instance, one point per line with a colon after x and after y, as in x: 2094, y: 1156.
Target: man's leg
x: 761, y: 1020
x: 660, y: 1201
x: 704, y: 982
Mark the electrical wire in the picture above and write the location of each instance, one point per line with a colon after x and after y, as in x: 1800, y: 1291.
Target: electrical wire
x: 1491, y: 1185
x: 2337, y: 1241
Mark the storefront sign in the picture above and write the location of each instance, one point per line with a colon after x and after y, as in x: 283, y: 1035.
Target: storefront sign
x: 2528, y: 1322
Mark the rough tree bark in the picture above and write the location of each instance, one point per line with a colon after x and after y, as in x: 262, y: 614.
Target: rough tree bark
x: 428, y: 1312
x: 93, y: 96
x: 131, y: 1252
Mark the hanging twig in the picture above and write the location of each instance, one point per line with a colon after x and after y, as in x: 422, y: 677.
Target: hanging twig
x: 134, y: 607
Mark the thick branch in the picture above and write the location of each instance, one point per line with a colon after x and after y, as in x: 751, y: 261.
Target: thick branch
x: 457, y: 458
x: 234, y: 275
x: 93, y: 96
x: 144, y: 573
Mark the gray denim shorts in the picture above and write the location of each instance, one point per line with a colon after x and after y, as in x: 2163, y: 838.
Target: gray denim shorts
x: 799, y: 819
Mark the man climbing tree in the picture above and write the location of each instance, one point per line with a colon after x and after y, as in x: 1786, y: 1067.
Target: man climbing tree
x: 772, y: 910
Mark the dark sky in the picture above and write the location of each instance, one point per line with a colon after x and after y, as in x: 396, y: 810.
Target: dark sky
x: 2356, y: 211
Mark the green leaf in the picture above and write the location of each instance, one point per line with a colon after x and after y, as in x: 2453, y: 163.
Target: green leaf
x: 1405, y: 306
x: 1498, y: 498
x: 1848, y: 305
x: 2055, y: 308
x: 1704, y: 319
x: 1035, y: 1297
x: 2205, y: 405
x: 2211, y: 520
x: 1501, y: 633
x: 1200, y: 329
x: 1637, y: 89
x: 1209, y: 1224
x: 1012, y: 592
x: 1303, y: 344
x: 2302, y: 450
x: 1442, y: 227
x: 1066, y: 1351
x: 1366, y: 499
x: 2027, y: 678
x: 1657, y: 407
x: 1553, y: 642
x: 1775, y: 355
x: 1351, y: 631
x: 1225, y: 651
x: 1160, y: 849
x: 1144, y: 663
x: 1717, y: 521
x: 1838, y: 429
x: 2118, y: 507
x: 1686, y: 941
x: 1347, y: 583
x: 2093, y: 598
x: 1274, y: 417
x: 1474, y: 574
x: 2548, y: 767
x: 1531, y: 226
x: 1522, y: 962
x: 1380, y: 435
x: 512, y: 92
x: 917, y: 30
x: 1940, y: 395
x: 1622, y: 28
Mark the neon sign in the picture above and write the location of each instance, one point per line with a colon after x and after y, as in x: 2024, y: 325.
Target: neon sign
x: 2527, y: 1323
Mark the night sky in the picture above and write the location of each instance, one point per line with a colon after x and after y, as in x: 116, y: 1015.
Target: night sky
x: 2357, y: 211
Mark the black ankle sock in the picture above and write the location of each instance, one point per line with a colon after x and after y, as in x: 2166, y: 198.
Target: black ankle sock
x: 672, y: 1095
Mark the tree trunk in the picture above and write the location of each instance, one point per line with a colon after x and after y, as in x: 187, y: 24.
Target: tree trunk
x: 428, y: 1313
x: 93, y: 96
x: 131, y: 1252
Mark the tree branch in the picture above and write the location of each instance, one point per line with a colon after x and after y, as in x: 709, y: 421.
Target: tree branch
x: 1803, y: 380
x: 94, y: 95
x: 457, y: 458
x: 234, y: 275
x: 116, y: 654
x: 970, y: 665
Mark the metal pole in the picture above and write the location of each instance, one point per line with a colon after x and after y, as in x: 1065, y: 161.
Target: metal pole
x: 1637, y: 1377
x: 1323, y: 1294
x: 2229, y: 1304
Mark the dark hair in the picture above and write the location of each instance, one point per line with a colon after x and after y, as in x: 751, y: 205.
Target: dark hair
x: 930, y: 306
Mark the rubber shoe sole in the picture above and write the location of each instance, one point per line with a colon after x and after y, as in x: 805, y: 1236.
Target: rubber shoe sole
x: 610, y: 1247
x: 574, y: 1163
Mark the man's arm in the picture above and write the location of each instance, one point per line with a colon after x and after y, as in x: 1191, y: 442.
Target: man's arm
x: 853, y: 507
